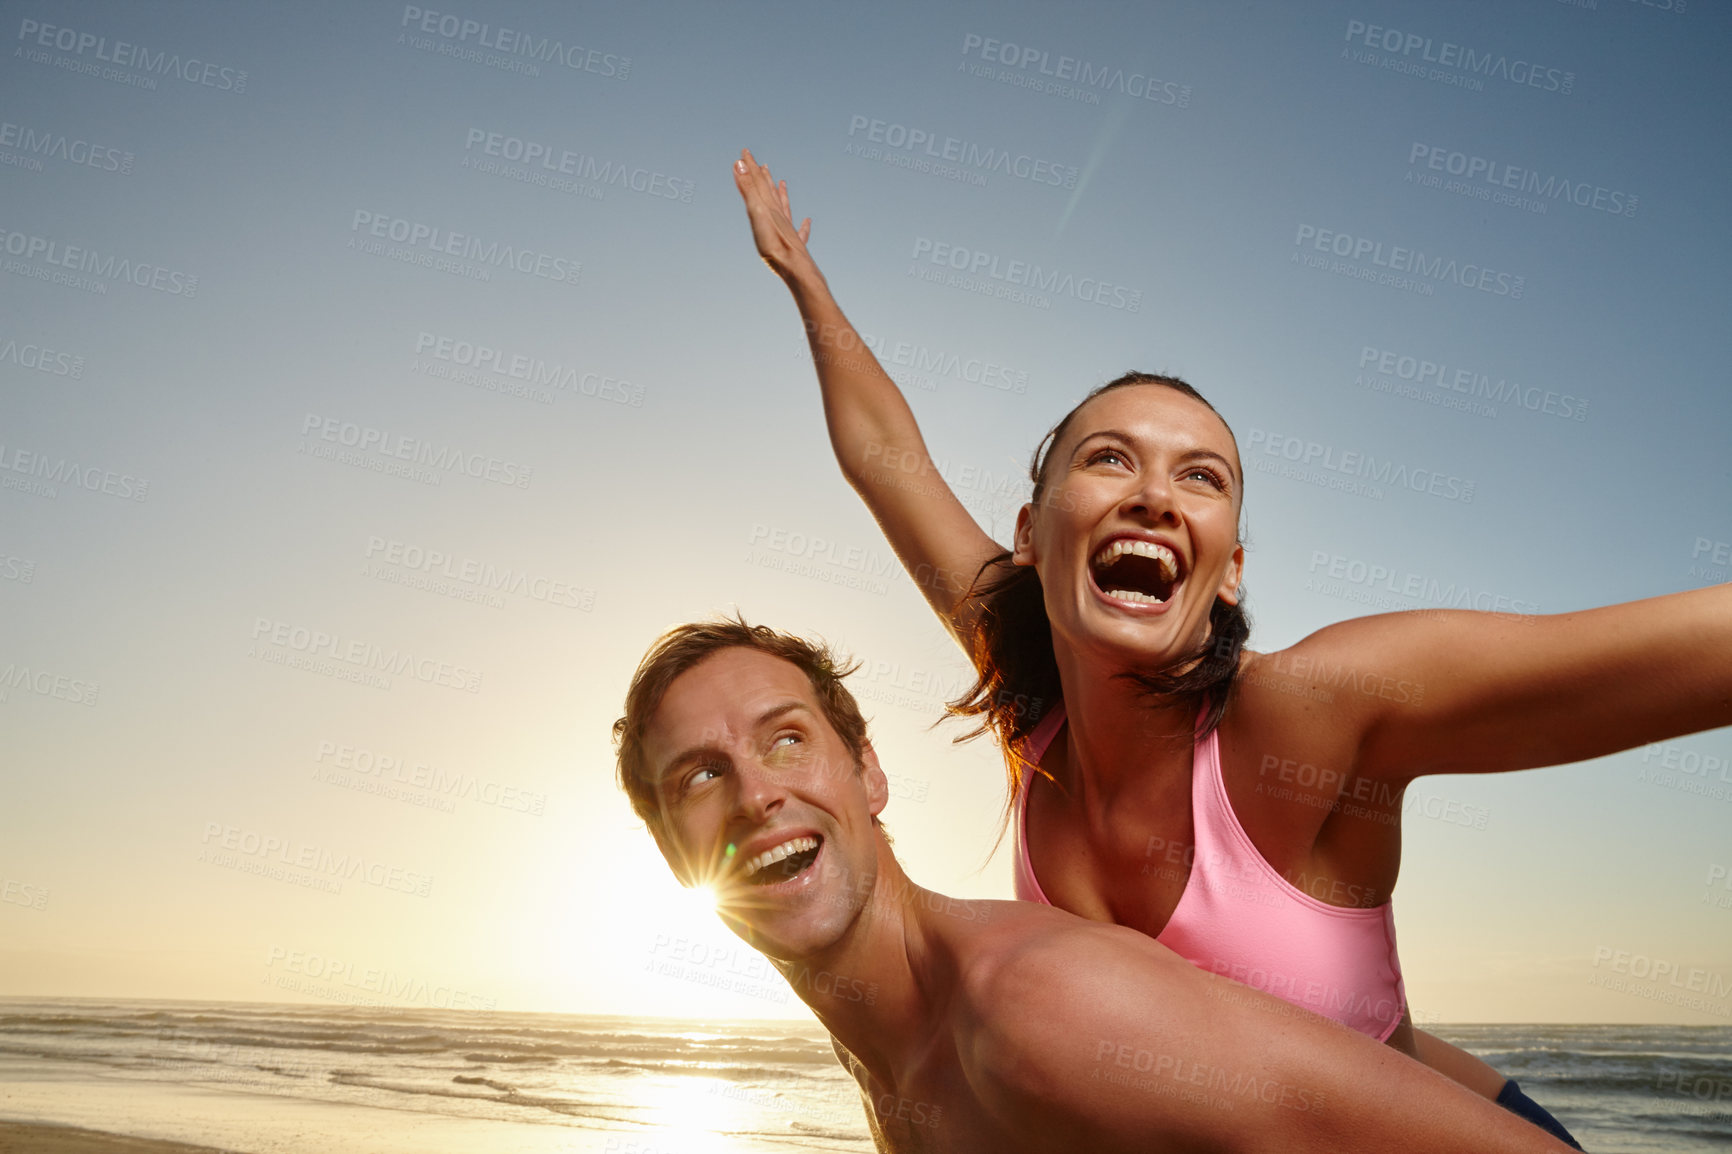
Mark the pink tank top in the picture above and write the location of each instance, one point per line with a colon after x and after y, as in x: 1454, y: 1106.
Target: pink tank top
x: 1241, y: 919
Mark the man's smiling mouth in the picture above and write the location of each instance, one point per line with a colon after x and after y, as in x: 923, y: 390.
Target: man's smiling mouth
x: 781, y: 862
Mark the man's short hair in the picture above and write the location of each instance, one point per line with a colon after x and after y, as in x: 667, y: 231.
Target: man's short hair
x: 684, y: 646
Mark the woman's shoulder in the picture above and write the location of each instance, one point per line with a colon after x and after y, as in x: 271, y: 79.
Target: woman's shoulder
x: 1330, y: 674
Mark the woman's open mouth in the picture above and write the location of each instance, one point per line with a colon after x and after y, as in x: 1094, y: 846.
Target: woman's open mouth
x: 782, y: 862
x: 1136, y: 572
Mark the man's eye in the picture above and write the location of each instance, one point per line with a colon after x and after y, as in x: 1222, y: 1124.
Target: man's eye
x: 697, y: 776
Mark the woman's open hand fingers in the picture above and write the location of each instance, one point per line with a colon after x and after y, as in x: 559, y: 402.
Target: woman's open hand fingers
x: 767, y: 208
x: 805, y: 229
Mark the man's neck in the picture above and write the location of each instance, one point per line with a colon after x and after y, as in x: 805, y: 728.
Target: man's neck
x: 873, y: 989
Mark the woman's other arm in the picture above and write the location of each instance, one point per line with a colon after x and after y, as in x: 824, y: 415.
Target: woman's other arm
x: 1466, y: 692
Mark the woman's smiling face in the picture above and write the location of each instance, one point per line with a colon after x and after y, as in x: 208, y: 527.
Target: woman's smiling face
x: 1134, y: 528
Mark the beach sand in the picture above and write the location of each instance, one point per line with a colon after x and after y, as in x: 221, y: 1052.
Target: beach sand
x: 38, y: 1138
x: 81, y: 1112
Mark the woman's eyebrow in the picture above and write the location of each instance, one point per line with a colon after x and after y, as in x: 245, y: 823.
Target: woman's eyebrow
x: 1194, y: 454
x: 1115, y: 434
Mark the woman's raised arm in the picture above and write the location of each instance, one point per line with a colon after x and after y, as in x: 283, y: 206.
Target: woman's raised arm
x: 872, y: 429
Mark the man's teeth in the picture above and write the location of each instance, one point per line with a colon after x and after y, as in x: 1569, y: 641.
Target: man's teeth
x: 1124, y: 545
x: 787, y: 849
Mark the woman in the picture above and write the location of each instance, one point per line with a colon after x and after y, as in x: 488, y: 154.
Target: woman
x: 1243, y: 808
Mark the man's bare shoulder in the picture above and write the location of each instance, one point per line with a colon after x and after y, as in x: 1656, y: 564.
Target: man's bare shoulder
x: 1003, y: 940
x: 1046, y: 1006
x: 1030, y: 980
x: 1074, y: 1034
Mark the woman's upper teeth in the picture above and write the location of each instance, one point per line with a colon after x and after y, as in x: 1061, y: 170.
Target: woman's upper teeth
x: 775, y: 854
x: 1129, y: 545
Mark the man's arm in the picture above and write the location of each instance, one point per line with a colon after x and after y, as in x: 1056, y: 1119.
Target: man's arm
x: 1089, y: 1036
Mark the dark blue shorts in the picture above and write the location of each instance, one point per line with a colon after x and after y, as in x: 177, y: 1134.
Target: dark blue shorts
x: 1512, y: 1099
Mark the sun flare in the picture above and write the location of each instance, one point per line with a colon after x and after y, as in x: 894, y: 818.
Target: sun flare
x: 701, y: 899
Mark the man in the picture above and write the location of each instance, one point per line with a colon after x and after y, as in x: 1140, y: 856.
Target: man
x: 996, y: 1026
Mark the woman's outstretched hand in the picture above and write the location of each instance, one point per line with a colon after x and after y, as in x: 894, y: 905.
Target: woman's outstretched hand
x: 782, y: 246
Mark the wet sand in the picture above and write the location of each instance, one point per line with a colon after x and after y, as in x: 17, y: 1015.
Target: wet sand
x: 79, y: 1115
x: 39, y: 1138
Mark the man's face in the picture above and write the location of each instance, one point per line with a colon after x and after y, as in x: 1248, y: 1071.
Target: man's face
x: 761, y: 800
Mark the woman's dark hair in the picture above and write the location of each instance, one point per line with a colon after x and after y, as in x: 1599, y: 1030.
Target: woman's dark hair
x: 1011, y: 640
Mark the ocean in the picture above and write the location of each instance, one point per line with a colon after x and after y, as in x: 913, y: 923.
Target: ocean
x: 288, y: 1079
